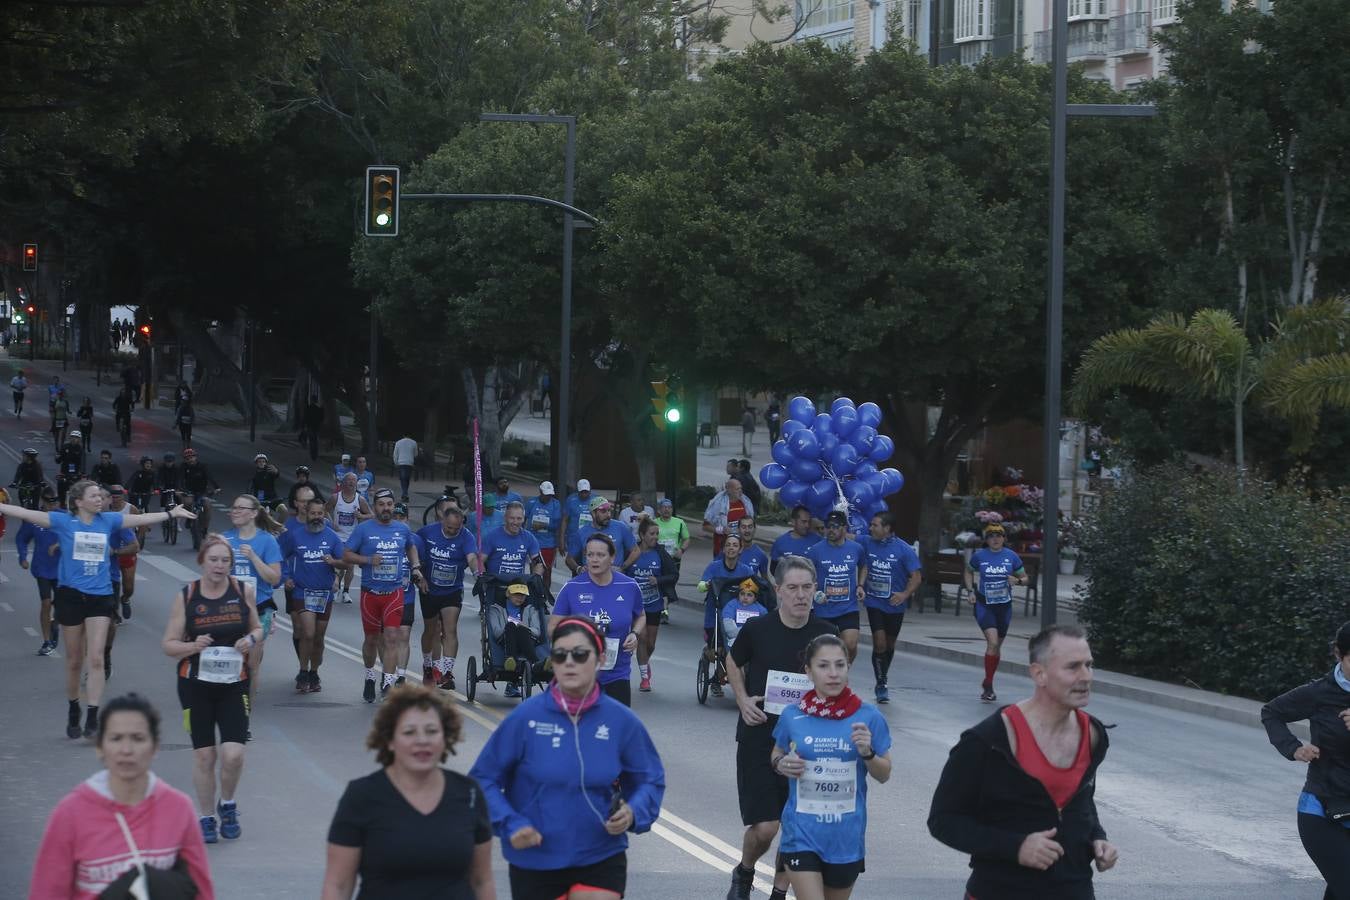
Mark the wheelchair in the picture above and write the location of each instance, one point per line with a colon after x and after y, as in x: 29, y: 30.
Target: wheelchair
x: 711, y: 668
x: 523, y: 660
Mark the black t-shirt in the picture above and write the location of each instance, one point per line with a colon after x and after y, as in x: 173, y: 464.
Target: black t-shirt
x: 763, y: 644
x: 404, y: 854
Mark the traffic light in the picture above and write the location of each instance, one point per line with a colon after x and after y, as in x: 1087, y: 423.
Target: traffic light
x: 667, y: 405
x: 30, y: 257
x: 381, y: 201
x: 144, y: 334
x: 31, y: 309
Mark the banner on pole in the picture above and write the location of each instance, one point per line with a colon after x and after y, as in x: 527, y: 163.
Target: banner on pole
x: 477, y: 485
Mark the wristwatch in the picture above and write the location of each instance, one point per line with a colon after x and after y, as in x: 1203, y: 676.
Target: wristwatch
x: 870, y: 756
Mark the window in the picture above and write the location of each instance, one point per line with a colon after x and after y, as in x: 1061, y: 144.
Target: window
x: 819, y: 14
x: 913, y: 17
x: 1087, y: 8
x: 1164, y: 10
x: 974, y: 20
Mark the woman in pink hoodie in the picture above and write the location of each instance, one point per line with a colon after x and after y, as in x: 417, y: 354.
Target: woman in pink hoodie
x: 84, y: 850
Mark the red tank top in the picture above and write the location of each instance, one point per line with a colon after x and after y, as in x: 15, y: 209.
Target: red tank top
x: 1059, y: 783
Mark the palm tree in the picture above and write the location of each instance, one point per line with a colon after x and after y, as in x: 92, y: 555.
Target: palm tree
x: 1302, y: 365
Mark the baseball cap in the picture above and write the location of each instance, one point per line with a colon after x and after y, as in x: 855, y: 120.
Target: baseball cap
x: 599, y: 503
x: 76, y: 433
x: 518, y: 589
x: 836, y: 518
x: 546, y: 488
x: 258, y: 456
x: 346, y: 457
x: 116, y: 490
x: 665, y: 501
x: 490, y: 499
x: 583, y: 484
x: 384, y: 492
x: 749, y: 585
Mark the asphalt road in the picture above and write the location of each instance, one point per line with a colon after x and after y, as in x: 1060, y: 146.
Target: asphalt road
x: 1199, y: 808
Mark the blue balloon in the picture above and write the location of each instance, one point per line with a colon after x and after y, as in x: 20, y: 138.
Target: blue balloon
x: 878, y: 506
x: 877, y: 482
x: 781, y: 453
x: 806, y: 471
x: 882, y: 448
x: 822, y: 426
x: 869, y: 414
x: 845, y: 420
x: 822, y: 495
x: 859, y: 493
x: 801, y: 409
x: 792, y: 425
x: 844, y: 460
x: 857, y: 524
x: 839, y: 402
x: 827, y: 444
x: 863, y: 437
x: 773, y: 476
x: 793, y: 493
x: 864, y: 468
x: 894, y: 480
x: 803, y: 444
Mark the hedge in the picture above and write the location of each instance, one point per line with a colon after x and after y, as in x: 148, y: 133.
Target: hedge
x: 1203, y: 579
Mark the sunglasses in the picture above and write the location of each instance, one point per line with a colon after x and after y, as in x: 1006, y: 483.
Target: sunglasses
x: 578, y: 654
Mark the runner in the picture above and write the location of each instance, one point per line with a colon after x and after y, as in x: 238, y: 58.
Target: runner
x: 257, y: 564
x: 69, y: 464
x: 45, y: 566
x: 106, y: 472
x: 894, y: 573
x: 544, y: 516
x: 752, y: 555
x: 377, y: 545
x: 365, y: 478
x: 450, y: 552
x: 1017, y: 792
x: 511, y: 552
x: 346, y: 510
x: 184, y: 417
x: 636, y: 510
x: 263, y: 483
x: 602, y: 523
x: 563, y: 818
x: 576, y: 513
x: 409, y: 595
x: 1323, y: 823
x: 340, y: 471
x: 493, y: 517
x: 675, y: 538
x: 213, y: 630
x: 17, y: 386
x: 725, y: 511
x: 997, y: 567
x: 84, y: 598
x: 85, y: 416
x: 655, y: 573
x: 126, y: 548
x: 765, y: 671
x: 60, y: 410
x: 797, y: 541
x: 613, y: 603
x: 842, y: 569
x: 506, y: 496
x: 827, y: 745
x: 311, y: 554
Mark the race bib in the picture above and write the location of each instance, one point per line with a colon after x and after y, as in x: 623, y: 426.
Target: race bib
x: 220, y: 665
x: 783, y: 689
x: 316, y: 601
x: 611, y: 653
x: 836, y: 591
x: 443, y: 574
x: 347, y: 519
x: 90, y: 546
x: 827, y: 788
x: 584, y: 521
x: 669, y: 544
x: 998, y: 593
x: 745, y: 615
x: 540, y: 521
x: 879, y: 586
x: 385, y: 571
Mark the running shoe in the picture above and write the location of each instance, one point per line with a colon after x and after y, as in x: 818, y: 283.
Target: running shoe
x: 346, y: 598
x: 314, y: 684
x: 987, y: 693
x: 369, y: 693
x: 73, y: 721
x: 883, y: 693
x: 384, y: 689
x: 741, y: 883
x: 447, y: 682
x: 91, y: 723
x: 776, y: 894
x: 229, y: 821
x: 209, y: 834
x: 512, y: 691
x: 302, y: 682
x: 126, y: 610
x: 428, y: 677
x: 716, y: 689
x: 46, y: 649
x: 399, y: 681
x: 646, y: 685
x: 665, y: 617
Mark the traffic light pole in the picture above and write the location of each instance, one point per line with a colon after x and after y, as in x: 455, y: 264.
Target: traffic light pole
x: 252, y: 381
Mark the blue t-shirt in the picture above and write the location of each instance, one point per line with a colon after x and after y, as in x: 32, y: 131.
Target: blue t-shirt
x: 122, y: 538
x: 578, y: 512
x: 826, y: 812
x: 994, y: 571
x: 507, y: 556
x: 84, y: 556
x: 619, y: 533
x: 791, y: 545
x: 542, y: 518
x: 267, y: 549
x: 492, y: 522
x: 391, y: 543
x: 304, y: 551
x: 837, y: 576
x: 734, y: 616
x: 718, y: 569
x: 508, y: 497
x: 756, y: 560
x: 45, y: 564
x: 889, y: 565
x: 613, y: 608
x: 648, y: 565
x: 340, y: 472
x: 445, y: 559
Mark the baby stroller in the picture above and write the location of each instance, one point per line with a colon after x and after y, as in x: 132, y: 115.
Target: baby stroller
x: 518, y: 642
x: 710, y: 672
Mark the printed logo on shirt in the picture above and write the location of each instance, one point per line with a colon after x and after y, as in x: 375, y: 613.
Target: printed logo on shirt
x: 545, y: 729
x: 996, y: 570
x: 602, y: 733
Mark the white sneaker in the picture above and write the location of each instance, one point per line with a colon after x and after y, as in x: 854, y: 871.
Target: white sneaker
x: 346, y: 597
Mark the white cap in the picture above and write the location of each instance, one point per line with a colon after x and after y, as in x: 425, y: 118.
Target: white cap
x: 546, y: 488
x: 583, y: 484
x: 346, y: 457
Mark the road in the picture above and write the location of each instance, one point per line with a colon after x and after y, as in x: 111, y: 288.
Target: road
x: 1199, y: 808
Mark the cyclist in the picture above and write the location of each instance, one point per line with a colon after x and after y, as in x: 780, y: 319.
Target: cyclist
x: 543, y: 516
x: 123, y: 404
x: 17, y: 385
x: 263, y: 484
x: 106, y: 472
x: 302, y: 480
x: 655, y: 572
x: 197, y: 486
x: 450, y: 551
x: 841, y: 568
x: 45, y: 568
x: 69, y: 463
x: 310, y: 554
x: 894, y: 573
x: 85, y: 416
x: 29, y: 478
x: 998, y: 568
x: 142, y: 486
x: 346, y: 510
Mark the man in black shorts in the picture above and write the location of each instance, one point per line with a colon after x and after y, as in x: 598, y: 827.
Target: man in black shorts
x: 766, y: 674
x: 450, y: 552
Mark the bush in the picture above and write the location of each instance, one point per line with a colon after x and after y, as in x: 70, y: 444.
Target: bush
x: 535, y: 461
x: 693, y: 500
x: 514, y: 448
x: 1205, y: 580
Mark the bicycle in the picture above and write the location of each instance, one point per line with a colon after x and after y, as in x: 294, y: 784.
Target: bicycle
x: 429, y: 514
x: 29, y: 493
x: 197, y: 527
x: 168, y: 500
x: 124, y: 428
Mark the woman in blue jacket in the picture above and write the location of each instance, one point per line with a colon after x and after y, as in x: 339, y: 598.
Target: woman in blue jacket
x: 563, y: 817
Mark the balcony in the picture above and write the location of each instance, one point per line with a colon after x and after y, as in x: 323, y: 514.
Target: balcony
x: 1087, y: 41
x: 1129, y: 34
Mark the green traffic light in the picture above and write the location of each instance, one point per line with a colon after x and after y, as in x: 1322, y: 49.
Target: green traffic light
x: 672, y: 415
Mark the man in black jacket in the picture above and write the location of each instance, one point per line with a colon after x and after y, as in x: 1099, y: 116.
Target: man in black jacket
x: 1027, y: 815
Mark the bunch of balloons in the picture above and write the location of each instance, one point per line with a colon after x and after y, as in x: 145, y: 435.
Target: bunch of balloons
x: 827, y: 461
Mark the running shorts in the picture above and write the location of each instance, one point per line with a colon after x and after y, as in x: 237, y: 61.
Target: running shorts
x: 409, y: 614
x: 994, y: 615
x: 883, y: 621
x: 432, y: 604
x: 46, y: 587
x: 296, y: 604
x: 380, y: 611
x: 839, y: 876
x: 208, y: 708
x: 74, y: 606
x: 762, y: 792
x: 849, y: 621
x: 549, y: 884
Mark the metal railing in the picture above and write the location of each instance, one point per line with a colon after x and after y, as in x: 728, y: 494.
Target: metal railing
x: 1086, y: 40
x: 1129, y: 33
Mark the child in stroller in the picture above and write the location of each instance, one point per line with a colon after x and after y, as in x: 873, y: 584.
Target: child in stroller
x: 514, y: 641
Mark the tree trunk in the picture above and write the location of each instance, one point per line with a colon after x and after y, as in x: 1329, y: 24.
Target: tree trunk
x: 1239, y: 454
x: 431, y: 436
x: 1230, y: 225
x: 484, y: 400
x: 1315, y: 243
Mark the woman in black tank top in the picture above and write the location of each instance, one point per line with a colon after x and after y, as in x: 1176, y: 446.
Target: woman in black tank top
x: 211, y: 630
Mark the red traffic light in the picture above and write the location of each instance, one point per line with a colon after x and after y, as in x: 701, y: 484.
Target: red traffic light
x: 31, y: 309
x: 145, y: 329
x: 30, y: 257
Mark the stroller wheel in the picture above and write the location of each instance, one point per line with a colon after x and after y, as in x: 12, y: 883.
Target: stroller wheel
x: 701, y: 674
x: 471, y: 679
x: 526, y: 680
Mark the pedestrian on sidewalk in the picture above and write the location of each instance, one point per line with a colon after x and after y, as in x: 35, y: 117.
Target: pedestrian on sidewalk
x: 1018, y: 790
x: 405, y: 457
x: 748, y: 483
x: 747, y: 429
x: 773, y: 418
x: 725, y: 511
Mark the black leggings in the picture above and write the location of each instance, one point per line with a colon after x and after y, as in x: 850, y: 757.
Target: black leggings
x: 1328, y: 845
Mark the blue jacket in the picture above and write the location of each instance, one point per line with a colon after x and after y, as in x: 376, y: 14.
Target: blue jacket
x: 45, y: 564
x: 529, y: 771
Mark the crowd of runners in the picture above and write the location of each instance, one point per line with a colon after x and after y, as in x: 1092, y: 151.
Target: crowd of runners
x: 572, y: 771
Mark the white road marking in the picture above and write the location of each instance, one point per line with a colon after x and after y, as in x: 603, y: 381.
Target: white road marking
x: 30, y: 631
x: 6, y: 607
x: 4, y: 579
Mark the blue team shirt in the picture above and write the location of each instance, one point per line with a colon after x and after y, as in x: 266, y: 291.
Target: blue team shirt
x: 889, y: 565
x: 542, y: 518
x: 268, y: 550
x: 791, y: 545
x: 508, y: 556
x: 756, y: 560
x: 45, y: 564
x: 578, y: 514
x: 648, y: 565
x: 83, y: 563
x: 391, y: 543
x: 718, y: 569
x: 619, y: 533
x: 493, y: 522
x: 994, y: 571
x: 833, y: 766
x: 445, y: 559
x: 613, y: 608
x: 837, y: 576
x: 734, y: 616
x: 304, y: 551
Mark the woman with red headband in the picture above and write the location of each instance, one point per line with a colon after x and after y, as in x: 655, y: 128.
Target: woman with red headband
x: 567, y: 775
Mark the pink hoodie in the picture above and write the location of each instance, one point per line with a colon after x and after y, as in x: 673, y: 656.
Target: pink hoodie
x: 83, y: 850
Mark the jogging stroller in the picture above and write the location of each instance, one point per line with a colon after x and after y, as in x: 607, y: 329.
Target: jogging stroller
x: 514, y: 646
x: 710, y: 671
